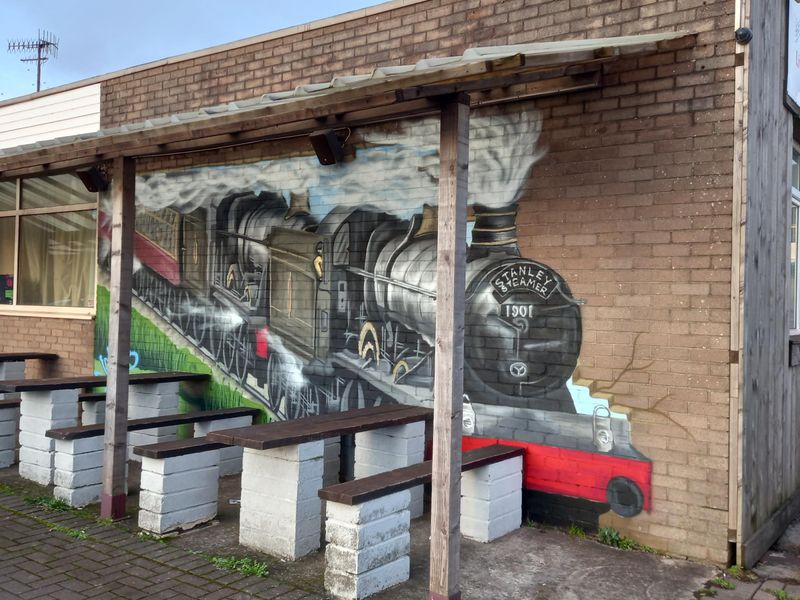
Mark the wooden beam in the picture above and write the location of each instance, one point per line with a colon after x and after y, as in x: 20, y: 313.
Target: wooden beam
x: 115, y: 441
x: 449, y: 363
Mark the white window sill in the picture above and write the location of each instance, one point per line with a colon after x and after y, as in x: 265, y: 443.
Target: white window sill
x: 47, y: 312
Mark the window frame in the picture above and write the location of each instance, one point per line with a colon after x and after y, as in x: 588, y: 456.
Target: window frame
x: 33, y: 310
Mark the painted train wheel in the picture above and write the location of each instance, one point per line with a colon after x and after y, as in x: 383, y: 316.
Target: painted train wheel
x: 276, y: 382
x: 625, y: 497
x: 235, y: 351
x: 183, y: 311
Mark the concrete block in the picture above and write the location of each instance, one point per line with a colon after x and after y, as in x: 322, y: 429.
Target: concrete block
x: 79, y: 497
x: 35, y: 473
x: 354, y: 536
x: 410, y: 430
x: 355, y: 561
x: 498, y: 470
x: 36, y: 441
x: 287, y: 548
x: 372, y: 510
x: 205, y: 478
x: 177, y: 501
x: 354, y: 587
x: 7, y: 458
x: 178, y: 520
x: 230, y: 461
x: 33, y: 401
x: 485, y: 509
x: 41, y: 426
x: 154, y: 389
x: 8, y: 427
x: 295, y: 453
x: 77, y: 462
x: 475, y: 487
x: 177, y: 464
x: 481, y: 530
x: 78, y: 479
x: 93, y: 413
x: 280, y: 527
x: 376, y: 440
x: 203, y: 429
x: 50, y: 412
x: 267, y: 466
x: 80, y: 446
x: 12, y: 370
x: 280, y: 507
x: 40, y: 458
x: 387, y: 460
x: 291, y: 489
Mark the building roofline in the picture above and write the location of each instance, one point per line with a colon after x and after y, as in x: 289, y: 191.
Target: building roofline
x: 256, y: 39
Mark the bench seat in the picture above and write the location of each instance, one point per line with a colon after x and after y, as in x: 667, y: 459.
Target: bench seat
x: 179, y: 485
x: 368, y: 520
x: 79, y: 450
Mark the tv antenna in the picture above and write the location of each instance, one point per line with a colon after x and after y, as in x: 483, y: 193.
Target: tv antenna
x: 45, y: 46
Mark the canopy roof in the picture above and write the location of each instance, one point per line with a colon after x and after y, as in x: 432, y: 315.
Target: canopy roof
x: 386, y: 93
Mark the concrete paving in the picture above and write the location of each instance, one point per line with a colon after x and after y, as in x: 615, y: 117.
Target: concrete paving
x: 41, y: 559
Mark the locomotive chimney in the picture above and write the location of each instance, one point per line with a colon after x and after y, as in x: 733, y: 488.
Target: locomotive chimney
x: 495, y: 229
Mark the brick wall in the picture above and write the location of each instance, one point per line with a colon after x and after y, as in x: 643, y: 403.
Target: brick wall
x: 71, y: 339
x: 631, y: 203
x: 402, y: 36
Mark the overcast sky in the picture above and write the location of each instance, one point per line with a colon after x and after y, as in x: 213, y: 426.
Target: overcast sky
x: 97, y: 37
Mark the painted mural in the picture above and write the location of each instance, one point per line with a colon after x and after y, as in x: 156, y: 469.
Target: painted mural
x: 312, y: 289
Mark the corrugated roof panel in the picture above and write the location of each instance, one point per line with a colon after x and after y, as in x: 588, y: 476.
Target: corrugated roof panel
x: 378, y: 75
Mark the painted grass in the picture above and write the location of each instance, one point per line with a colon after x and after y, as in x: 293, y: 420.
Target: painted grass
x: 158, y: 353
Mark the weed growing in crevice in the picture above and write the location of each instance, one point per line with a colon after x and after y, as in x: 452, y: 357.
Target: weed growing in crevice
x: 577, y: 531
x: 78, y: 534
x: 721, y: 582
x: 245, y: 565
x: 146, y: 535
x: 782, y: 595
x: 48, y: 503
x: 741, y: 574
x: 611, y: 537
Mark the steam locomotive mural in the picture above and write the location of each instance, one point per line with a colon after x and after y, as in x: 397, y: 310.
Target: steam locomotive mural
x: 318, y: 296
x: 317, y: 316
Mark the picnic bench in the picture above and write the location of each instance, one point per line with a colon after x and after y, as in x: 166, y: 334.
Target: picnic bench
x: 12, y: 364
x: 282, y: 469
x: 78, y: 450
x: 52, y: 403
x: 368, y: 521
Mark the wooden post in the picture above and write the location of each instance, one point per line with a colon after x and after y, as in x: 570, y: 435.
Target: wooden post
x: 115, y: 442
x: 449, y: 369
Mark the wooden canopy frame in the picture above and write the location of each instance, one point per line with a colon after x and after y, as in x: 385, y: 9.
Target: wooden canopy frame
x: 449, y: 92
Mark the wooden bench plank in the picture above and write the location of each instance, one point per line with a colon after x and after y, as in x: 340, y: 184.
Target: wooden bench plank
x: 18, y: 356
x: 92, y: 397
x: 375, y: 486
x: 10, y: 403
x: 86, y: 431
x: 298, y: 431
x: 178, y: 448
x: 66, y: 383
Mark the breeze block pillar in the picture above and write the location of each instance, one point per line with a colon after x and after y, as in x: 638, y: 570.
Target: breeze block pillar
x: 230, y: 458
x: 78, y: 475
x: 179, y: 492
x: 93, y: 412
x: 154, y: 400
x: 390, y: 448
x: 280, y: 510
x: 491, y: 500
x: 40, y: 412
x: 9, y: 417
x: 368, y: 546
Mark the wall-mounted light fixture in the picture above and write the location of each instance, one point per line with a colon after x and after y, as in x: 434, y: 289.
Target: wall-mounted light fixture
x: 93, y: 179
x: 327, y: 146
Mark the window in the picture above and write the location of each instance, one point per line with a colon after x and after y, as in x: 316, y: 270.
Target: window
x: 48, y: 245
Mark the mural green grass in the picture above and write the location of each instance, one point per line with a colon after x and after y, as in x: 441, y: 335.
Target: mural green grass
x: 158, y: 353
